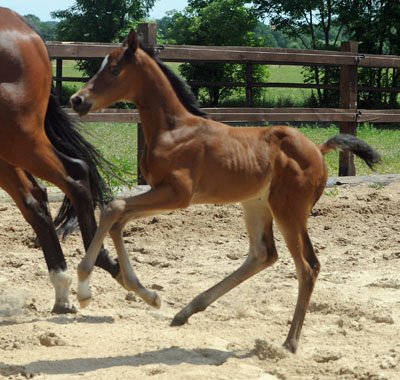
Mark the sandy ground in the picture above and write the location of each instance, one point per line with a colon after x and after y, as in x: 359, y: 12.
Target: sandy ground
x: 352, y: 328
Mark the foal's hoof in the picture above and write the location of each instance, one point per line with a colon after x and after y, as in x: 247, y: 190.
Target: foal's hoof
x: 178, y: 321
x: 84, y: 302
x: 156, y: 301
x: 64, y: 309
x: 290, y: 345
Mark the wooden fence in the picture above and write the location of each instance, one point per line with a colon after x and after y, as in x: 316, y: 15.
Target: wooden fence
x: 348, y: 59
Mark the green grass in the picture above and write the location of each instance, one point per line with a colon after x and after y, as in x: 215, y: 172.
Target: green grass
x: 286, y: 97
x: 118, y: 143
x: 383, y: 140
x: 69, y: 69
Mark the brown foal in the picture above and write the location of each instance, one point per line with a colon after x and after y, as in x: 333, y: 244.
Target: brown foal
x: 276, y: 173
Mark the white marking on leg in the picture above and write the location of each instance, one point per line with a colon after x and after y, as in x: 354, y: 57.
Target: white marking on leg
x: 61, y: 281
x: 84, y: 295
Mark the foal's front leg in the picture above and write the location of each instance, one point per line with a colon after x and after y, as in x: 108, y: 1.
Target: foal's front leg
x: 131, y: 282
x: 85, y: 267
x: 113, y: 218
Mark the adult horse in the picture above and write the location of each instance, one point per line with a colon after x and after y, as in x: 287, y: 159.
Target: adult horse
x: 276, y: 173
x: 37, y: 138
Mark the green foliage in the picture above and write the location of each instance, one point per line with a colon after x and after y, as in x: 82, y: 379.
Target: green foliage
x: 321, y: 24
x: 376, y: 25
x: 316, y: 24
x: 215, y: 23
x: 66, y: 93
x: 98, y: 21
x: 45, y: 28
x: 274, y: 38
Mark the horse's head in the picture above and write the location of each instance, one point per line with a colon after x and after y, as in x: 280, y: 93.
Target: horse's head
x: 113, y: 81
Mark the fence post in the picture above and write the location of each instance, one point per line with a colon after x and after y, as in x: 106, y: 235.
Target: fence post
x: 348, y: 100
x: 148, y: 38
x: 249, y: 89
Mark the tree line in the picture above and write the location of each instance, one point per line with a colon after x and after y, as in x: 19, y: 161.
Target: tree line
x: 311, y: 24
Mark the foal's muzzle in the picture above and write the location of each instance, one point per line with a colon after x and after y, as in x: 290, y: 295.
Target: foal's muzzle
x: 80, y: 105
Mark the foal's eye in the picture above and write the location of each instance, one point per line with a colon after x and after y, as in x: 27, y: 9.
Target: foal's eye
x: 114, y: 72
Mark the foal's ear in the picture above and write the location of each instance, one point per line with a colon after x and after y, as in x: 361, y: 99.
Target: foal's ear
x: 133, y: 41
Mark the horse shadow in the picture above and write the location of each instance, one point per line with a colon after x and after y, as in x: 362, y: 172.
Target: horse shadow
x: 59, y: 320
x: 171, y: 356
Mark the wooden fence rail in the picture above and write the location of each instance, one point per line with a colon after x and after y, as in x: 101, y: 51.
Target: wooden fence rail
x: 348, y: 59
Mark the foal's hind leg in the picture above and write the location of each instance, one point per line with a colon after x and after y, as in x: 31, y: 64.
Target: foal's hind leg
x: 262, y: 253
x: 292, y: 222
x: 31, y: 199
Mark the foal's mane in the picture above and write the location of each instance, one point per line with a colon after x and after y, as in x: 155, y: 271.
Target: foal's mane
x: 181, y: 88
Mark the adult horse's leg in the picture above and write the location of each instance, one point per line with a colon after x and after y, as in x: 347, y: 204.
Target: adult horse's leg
x: 36, y: 155
x: 81, y: 162
x: 31, y: 198
x: 77, y: 190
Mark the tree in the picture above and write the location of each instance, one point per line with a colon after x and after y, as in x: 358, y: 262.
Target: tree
x: 46, y: 29
x: 215, y: 23
x: 376, y: 25
x: 98, y: 21
x: 316, y: 24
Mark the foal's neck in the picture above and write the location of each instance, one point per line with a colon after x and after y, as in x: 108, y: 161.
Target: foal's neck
x: 159, y: 107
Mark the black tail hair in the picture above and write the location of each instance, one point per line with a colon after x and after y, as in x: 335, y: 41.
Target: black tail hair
x: 355, y: 145
x: 62, y: 131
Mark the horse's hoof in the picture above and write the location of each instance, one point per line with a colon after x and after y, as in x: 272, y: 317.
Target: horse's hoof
x: 156, y: 301
x: 64, y: 309
x: 290, y: 346
x: 178, y: 321
x: 84, y: 302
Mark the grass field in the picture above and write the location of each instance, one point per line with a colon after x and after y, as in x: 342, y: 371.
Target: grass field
x: 286, y: 97
x: 118, y: 143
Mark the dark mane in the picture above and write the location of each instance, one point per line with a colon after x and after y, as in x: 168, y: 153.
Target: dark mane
x: 181, y: 88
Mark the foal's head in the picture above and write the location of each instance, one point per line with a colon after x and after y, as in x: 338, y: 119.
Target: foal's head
x: 117, y: 79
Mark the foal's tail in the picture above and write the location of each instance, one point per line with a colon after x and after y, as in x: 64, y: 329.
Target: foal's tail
x: 62, y: 131
x: 352, y: 144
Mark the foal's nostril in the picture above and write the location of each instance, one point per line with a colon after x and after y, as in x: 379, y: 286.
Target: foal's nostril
x: 76, y: 101
x: 80, y: 104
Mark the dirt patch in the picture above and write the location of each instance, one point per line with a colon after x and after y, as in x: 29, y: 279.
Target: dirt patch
x: 352, y: 328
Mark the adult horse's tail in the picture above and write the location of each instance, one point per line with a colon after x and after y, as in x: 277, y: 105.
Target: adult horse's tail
x: 353, y: 144
x: 62, y: 131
